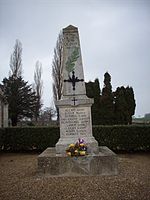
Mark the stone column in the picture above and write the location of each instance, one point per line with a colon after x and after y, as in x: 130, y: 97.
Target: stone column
x: 5, y: 115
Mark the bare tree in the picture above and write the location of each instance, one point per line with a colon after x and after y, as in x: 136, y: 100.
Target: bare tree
x: 57, y: 70
x: 38, y: 87
x: 16, y: 60
x: 47, y: 114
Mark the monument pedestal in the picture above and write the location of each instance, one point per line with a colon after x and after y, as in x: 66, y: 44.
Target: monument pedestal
x: 74, y: 106
x: 75, y: 123
x: 103, y: 163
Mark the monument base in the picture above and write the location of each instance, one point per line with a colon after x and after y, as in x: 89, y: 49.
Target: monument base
x: 103, y: 163
x: 63, y: 144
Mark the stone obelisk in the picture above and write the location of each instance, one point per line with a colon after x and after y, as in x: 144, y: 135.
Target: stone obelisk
x: 74, y: 106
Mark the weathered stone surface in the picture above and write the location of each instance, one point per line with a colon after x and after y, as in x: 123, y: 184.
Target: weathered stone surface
x: 3, y: 110
x: 104, y: 163
x: 75, y: 123
x: 5, y: 118
x: 72, y: 62
x: 74, y: 106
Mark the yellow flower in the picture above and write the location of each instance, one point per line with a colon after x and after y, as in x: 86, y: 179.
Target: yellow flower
x: 69, y: 153
x: 71, y: 145
x: 81, y: 144
x: 82, y: 153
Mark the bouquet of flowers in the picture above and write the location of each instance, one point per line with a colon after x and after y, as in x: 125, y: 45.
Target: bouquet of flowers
x: 77, y: 149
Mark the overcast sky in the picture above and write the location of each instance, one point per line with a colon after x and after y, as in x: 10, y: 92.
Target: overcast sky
x: 114, y: 37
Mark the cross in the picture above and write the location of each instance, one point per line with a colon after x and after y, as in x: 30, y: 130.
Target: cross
x: 73, y: 80
x: 74, y: 100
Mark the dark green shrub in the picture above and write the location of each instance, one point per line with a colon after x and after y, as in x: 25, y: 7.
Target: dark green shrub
x: 2, y: 134
x: 30, y: 138
x: 124, y: 138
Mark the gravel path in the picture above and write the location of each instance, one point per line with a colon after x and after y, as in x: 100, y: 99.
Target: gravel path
x: 18, y: 181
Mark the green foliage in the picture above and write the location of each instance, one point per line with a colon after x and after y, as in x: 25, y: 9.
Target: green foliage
x: 72, y: 59
x: 106, y: 101
x: 124, y: 105
x: 30, y: 138
x: 103, y: 107
x: 107, y: 90
x: 129, y: 96
x: 93, y: 91
x: 117, y: 138
x: 147, y: 116
x: 120, y: 106
x: 124, y: 138
x: 21, y: 99
x: 2, y: 135
x: 111, y: 108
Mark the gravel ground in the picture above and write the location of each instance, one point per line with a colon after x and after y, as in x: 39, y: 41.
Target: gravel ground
x: 19, y: 181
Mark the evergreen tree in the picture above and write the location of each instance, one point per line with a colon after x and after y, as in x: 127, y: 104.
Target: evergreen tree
x: 111, y: 107
x: 147, y: 116
x: 107, y: 101
x: 120, y: 106
x: 124, y: 105
x: 107, y: 89
x: 129, y: 95
x: 21, y: 99
x: 90, y: 89
x: 93, y: 91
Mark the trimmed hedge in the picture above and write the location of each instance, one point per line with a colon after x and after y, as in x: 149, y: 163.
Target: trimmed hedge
x: 124, y: 138
x: 30, y: 138
x: 2, y: 135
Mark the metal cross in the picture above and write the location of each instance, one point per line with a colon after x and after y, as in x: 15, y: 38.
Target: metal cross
x: 73, y: 80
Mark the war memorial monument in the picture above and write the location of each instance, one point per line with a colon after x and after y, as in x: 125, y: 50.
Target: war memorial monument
x: 75, y: 121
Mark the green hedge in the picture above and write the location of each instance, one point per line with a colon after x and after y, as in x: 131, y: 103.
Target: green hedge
x: 124, y: 138
x: 30, y: 138
x: 2, y: 135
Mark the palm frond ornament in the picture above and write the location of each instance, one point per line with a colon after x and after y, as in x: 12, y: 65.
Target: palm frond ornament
x: 72, y: 60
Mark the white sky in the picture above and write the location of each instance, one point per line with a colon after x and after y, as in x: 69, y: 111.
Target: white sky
x: 114, y: 36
